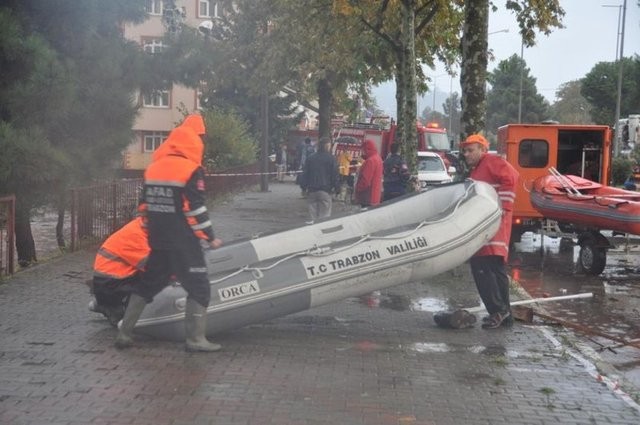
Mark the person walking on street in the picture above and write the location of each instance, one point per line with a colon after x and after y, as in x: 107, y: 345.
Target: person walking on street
x: 305, y: 150
x: 344, y: 166
x: 369, y: 183
x: 396, y: 174
x: 320, y: 178
x: 281, y: 162
x: 488, y: 265
x: 177, y: 220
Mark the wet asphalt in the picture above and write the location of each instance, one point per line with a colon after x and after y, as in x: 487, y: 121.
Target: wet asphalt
x: 376, y: 359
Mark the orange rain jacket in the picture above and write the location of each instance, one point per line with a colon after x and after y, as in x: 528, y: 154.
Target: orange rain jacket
x: 494, y: 170
x: 174, y: 193
x: 194, y: 122
x: 368, y: 189
x: 124, y: 253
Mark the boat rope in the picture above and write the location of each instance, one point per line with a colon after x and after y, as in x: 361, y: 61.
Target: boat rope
x: 317, y: 251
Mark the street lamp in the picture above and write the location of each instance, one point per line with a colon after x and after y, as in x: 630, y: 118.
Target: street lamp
x: 435, y: 77
x: 521, y: 79
x: 619, y: 57
x: 495, y: 32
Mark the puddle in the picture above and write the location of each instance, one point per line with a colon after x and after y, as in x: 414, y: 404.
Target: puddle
x: 402, y: 303
x: 613, y: 310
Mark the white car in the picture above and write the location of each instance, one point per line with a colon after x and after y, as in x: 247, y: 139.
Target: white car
x: 432, y: 170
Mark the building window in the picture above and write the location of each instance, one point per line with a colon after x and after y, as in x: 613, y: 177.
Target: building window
x: 153, y: 45
x: 156, y: 99
x: 207, y: 9
x: 153, y: 139
x: 153, y: 7
x: 203, y: 8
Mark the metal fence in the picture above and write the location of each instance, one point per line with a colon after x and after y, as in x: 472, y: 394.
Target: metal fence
x: 7, y: 234
x: 99, y: 210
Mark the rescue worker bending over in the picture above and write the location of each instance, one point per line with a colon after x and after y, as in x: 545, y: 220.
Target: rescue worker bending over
x: 117, y: 269
x: 177, y: 219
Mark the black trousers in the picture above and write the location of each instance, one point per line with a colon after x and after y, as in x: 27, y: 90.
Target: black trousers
x: 114, y: 292
x: 490, y: 274
x: 187, y: 265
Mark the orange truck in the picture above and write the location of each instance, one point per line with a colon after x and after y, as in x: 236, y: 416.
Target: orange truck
x: 582, y: 150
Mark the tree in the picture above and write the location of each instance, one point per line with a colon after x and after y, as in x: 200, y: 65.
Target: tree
x: 570, y: 106
x: 599, y: 87
x: 415, y: 32
x: 66, y: 99
x: 531, y: 17
x: 504, y: 97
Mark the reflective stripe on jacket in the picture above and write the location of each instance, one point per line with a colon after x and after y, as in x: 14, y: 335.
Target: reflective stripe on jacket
x: 124, y: 253
x: 503, y: 177
x: 174, y: 193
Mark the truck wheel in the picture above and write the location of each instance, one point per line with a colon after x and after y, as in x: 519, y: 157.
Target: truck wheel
x: 592, y: 258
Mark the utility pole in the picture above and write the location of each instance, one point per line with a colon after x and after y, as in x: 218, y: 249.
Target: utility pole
x: 521, y: 78
x: 616, y: 145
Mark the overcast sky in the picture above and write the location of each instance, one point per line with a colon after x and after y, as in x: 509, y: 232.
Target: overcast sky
x: 589, y: 36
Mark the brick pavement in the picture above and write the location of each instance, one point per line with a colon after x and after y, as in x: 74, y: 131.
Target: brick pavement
x: 371, y: 360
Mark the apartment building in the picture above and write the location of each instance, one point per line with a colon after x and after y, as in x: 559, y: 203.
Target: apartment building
x: 160, y: 110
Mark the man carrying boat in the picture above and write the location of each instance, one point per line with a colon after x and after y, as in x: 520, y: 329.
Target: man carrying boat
x: 488, y: 265
x: 177, y: 219
x: 117, y: 268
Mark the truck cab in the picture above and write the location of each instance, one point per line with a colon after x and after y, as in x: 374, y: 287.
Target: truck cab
x: 582, y: 150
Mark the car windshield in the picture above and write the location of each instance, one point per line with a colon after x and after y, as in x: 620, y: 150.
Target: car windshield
x: 430, y: 163
x: 438, y: 141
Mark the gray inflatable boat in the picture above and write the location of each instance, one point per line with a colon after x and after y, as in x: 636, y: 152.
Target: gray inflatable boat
x: 415, y: 237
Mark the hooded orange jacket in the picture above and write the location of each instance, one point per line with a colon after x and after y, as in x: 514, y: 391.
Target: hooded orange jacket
x: 174, y: 193
x: 369, y: 185
x: 194, y: 122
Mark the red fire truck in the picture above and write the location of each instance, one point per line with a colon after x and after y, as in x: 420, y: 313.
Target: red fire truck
x: 382, y: 131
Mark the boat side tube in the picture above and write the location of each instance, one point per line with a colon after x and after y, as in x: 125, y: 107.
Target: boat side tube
x: 350, y: 267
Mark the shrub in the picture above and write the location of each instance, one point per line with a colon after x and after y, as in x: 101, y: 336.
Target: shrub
x: 621, y: 168
x: 228, y: 142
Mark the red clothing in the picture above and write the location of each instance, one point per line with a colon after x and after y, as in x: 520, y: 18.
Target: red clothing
x: 368, y: 189
x: 503, y: 177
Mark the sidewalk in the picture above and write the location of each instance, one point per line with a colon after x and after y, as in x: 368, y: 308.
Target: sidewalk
x: 373, y: 360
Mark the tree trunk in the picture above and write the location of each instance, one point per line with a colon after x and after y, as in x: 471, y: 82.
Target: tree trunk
x: 25, y: 246
x: 325, y: 99
x: 473, y: 72
x: 60, y: 228
x: 409, y: 87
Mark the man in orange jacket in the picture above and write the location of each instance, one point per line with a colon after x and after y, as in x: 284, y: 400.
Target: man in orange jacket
x: 177, y: 219
x: 117, y: 268
x: 488, y: 264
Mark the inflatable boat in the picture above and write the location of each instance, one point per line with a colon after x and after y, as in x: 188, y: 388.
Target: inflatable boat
x: 587, y: 204
x: 409, y: 239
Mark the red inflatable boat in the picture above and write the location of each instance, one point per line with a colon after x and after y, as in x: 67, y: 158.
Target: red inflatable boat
x: 572, y: 199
